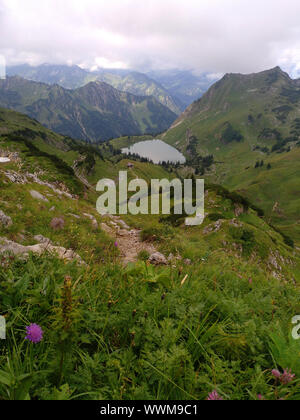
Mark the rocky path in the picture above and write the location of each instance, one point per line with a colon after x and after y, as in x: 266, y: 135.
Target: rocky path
x: 127, y: 239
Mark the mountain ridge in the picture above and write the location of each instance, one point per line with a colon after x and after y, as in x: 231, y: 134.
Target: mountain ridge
x: 111, y: 113
x: 73, y: 77
x: 251, y: 126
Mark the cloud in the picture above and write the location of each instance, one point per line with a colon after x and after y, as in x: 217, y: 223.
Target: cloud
x: 216, y: 36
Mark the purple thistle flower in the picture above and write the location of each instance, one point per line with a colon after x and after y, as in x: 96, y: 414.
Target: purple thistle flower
x: 34, y: 333
x: 116, y: 244
x: 214, y: 396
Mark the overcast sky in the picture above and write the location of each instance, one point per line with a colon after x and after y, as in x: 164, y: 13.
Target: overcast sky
x: 217, y: 36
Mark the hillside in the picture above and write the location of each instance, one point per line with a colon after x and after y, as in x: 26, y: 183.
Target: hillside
x: 95, y: 112
x: 250, y: 124
x: 73, y: 77
x: 224, y: 297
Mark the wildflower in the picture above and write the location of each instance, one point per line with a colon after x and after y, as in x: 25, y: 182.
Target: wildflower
x: 116, y: 244
x: 57, y: 223
x: 285, y: 378
x: 260, y: 397
x: 214, y: 396
x: 34, y: 333
x: 276, y: 374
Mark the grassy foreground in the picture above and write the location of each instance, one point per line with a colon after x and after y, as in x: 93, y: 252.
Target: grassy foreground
x: 144, y: 333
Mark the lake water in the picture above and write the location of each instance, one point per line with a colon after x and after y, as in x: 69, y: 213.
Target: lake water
x: 156, y: 150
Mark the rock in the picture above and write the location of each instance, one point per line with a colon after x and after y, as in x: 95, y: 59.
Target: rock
x: 107, y: 229
x: 238, y: 209
x: 42, y: 240
x: 89, y: 216
x: 74, y: 215
x: 236, y: 223
x: 36, y: 195
x: 124, y: 225
x: 26, y: 178
x: 158, y: 259
x: 95, y: 224
x: 123, y: 233
x: 13, y: 248
x: 213, y: 228
x: 5, y: 220
x: 93, y: 219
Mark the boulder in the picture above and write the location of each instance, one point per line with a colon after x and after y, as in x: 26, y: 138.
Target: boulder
x: 158, y: 259
x: 5, y: 220
x: 42, y: 240
x: 38, y: 196
x: 13, y: 248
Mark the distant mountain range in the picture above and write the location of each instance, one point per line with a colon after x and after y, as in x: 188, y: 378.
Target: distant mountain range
x: 185, y: 86
x: 251, y: 125
x: 174, y: 89
x: 95, y: 112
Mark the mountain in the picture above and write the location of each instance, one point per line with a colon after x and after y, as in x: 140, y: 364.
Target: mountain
x: 185, y: 86
x: 69, y: 77
x: 140, y: 84
x: 251, y: 125
x: 225, y: 297
x: 72, y: 77
x: 94, y: 112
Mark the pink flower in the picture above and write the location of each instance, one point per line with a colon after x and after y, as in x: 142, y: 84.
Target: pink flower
x: 116, y: 244
x: 285, y: 378
x: 260, y: 397
x: 276, y: 374
x: 34, y: 333
x: 214, y: 396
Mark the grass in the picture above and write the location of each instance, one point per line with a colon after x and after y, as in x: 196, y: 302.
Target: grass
x: 140, y: 334
x: 222, y: 322
x: 233, y: 100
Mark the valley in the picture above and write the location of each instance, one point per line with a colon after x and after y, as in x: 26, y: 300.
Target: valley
x: 146, y: 285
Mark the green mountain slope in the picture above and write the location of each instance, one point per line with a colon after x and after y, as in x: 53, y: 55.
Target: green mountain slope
x: 222, y: 305
x: 73, y: 77
x: 251, y: 125
x: 95, y: 112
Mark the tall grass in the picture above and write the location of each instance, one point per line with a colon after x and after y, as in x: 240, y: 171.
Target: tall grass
x: 142, y: 333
